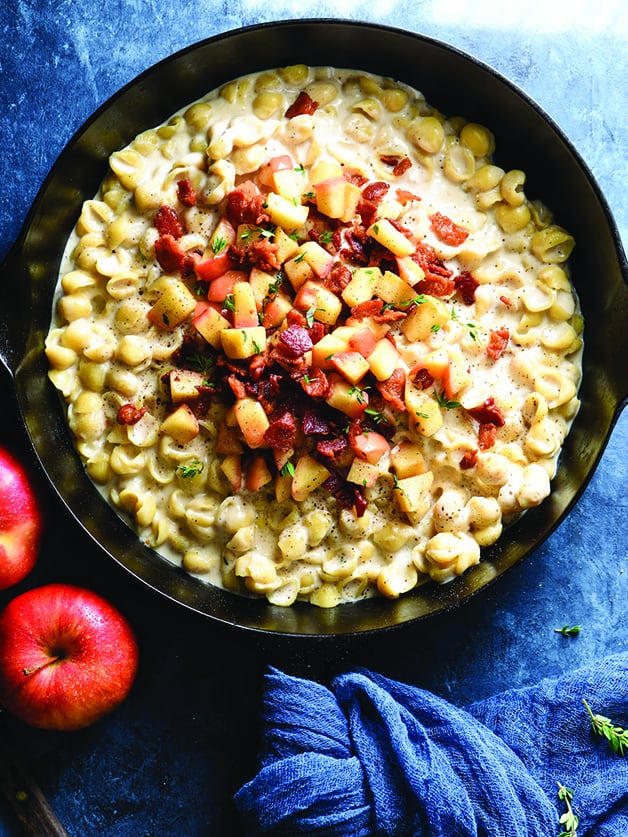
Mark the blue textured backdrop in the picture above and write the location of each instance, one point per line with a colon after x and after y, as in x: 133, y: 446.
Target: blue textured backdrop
x: 168, y: 761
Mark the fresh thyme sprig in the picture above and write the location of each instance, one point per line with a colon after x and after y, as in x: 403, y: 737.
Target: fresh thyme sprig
x: 568, y: 820
x: 568, y: 630
x: 617, y: 737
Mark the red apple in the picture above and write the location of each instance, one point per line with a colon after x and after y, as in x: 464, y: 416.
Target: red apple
x: 67, y: 657
x: 20, y: 522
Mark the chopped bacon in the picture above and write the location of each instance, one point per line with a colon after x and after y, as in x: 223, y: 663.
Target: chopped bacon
x: 355, y: 249
x: 389, y: 315
x: 486, y: 436
x: 422, y: 378
x: 506, y: 300
x: 466, y: 284
x: 390, y: 159
x: 293, y: 365
x: 347, y: 496
x: 315, y: 383
x: 317, y: 331
x: 257, y: 366
x: 375, y: 191
x: 437, y: 281
x: 281, y: 432
x: 168, y: 223
x: 263, y: 253
x: 497, y: 342
x: 361, y: 503
x: 169, y: 254
x: 404, y: 196
x: 296, y: 340
x: 368, y: 308
x: 402, y: 166
x: 295, y: 317
x: 245, y: 205
x: 338, y: 277
x: 237, y: 387
x: 354, y: 176
x: 469, y: 460
x: 128, y: 414
x: 367, y: 210
x: 448, y: 231
x: 303, y: 104
x: 487, y: 413
x: 435, y: 286
x: 314, y: 424
x: 186, y: 193
x: 393, y: 389
x: 333, y: 449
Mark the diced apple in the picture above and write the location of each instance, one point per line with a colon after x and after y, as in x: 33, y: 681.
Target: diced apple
x: 289, y: 183
x: 409, y: 270
x: 209, y: 323
x: 457, y: 376
x: 231, y: 466
x: 184, y: 384
x: 252, y: 421
x: 244, y: 306
x: 240, y: 343
x: 213, y: 266
x: 327, y: 347
x: 286, y: 213
x: 386, y: 234
x: 363, y: 341
x: 351, y: 365
x: 383, y: 360
x: 257, y: 474
x: 435, y: 362
x: 407, y: 459
x: 363, y: 473
x: 412, y: 493
x: 220, y: 288
x: 282, y: 457
x: 392, y: 289
x: 309, y: 474
x: 266, y: 172
x: 317, y: 257
x: 298, y: 271
x: 427, y: 316
x: 261, y: 282
x: 348, y: 399
x: 173, y: 307
x: 323, y: 303
x: 286, y: 245
x: 324, y: 170
x: 283, y: 488
x: 370, y: 446
x: 276, y: 310
x: 423, y: 410
x: 362, y: 285
x: 337, y: 198
x: 379, y: 330
x: 182, y: 425
x: 222, y: 238
x: 227, y: 440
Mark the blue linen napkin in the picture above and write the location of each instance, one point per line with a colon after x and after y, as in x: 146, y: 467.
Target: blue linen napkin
x: 373, y: 756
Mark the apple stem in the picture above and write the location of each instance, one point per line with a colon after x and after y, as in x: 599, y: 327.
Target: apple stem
x: 27, y: 671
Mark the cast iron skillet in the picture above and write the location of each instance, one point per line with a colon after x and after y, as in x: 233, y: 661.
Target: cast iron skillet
x: 458, y: 85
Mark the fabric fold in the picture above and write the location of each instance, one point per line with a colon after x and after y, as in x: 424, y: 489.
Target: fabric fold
x: 373, y: 756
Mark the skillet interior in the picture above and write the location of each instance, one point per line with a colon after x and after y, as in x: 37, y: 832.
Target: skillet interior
x: 457, y: 84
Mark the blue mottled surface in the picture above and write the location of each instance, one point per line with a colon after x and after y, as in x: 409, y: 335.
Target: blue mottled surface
x: 168, y: 761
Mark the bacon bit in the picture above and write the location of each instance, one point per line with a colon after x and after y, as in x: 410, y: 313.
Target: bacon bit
x: 369, y: 308
x: 315, y: 383
x: 295, y: 317
x: 390, y: 159
x: 435, y: 286
x: 293, y: 365
x: 506, y: 300
x: 375, y: 191
x: 466, y: 285
x: 315, y: 424
x: 338, y: 278
x: 404, y: 196
x: 257, y: 366
x: 367, y: 210
x: 169, y: 255
x: 447, y: 231
x: 356, y: 240
x: 486, y: 436
x: 469, y: 459
x: 487, y: 413
x: 497, y: 342
x: 347, y: 496
x: 303, y: 104
x: 317, y: 331
x: 245, y: 205
x: 296, y: 341
x: 422, y: 378
x: 186, y: 192
x: 281, y: 432
x: 361, y: 503
x: 333, y: 449
x: 168, y: 223
x: 128, y: 414
x: 433, y: 267
x: 263, y: 253
x: 354, y: 176
x: 393, y: 388
x: 402, y: 167
x: 237, y: 387
x: 389, y: 315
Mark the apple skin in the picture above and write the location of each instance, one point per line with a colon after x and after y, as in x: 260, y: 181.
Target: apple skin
x: 67, y: 657
x: 20, y: 522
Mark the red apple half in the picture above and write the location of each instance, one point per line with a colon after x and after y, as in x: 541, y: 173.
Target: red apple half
x: 20, y: 522
x: 67, y: 657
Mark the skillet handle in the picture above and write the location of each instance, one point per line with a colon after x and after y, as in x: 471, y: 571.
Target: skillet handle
x: 15, y: 308
x: 617, y: 326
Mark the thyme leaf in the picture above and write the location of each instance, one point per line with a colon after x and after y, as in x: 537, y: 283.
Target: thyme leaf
x: 568, y: 630
x: 568, y: 820
x: 616, y: 736
x: 191, y: 469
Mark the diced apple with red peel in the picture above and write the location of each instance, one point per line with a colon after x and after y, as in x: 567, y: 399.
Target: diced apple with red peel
x: 298, y: 271
x: 209, y: 323
x: 282, y: 458
x: 329, y: 345
x: 252, y: 421
x: 348, y: 399
x: 213, y: 266
x: 407, y: 459
x: 412, y: 493
x: 257, y: 474
x: 409, y: 270
x: 184, y: 385
x: 261, y: 282
x: 430, y: 314
x: 386, y: 234
x: 337, y: 198
x: 323, y: 303
x: 436, y: 363
x: 319, y: 259
x: 383, y: 360
x: 241, y: 343
x: 173, y: 307
x: 285, y: 213
x: 223, y: 236
x: 182, y: 425
x: 266, y: 172
x: 231, y: 466
x: 220, y: 288
x: 227, y: 440
x: 363, y: 473
x: 244, y: 306
x: 379, y: 330
x: 363, y: 341
x: 323, y: 169
x: 370, y: 446
x: 423, y: 410
x: 309, y: 474
x: 351, y: 365
x: 289, y: 183
x: 275, y: 311
x: 362, y: 285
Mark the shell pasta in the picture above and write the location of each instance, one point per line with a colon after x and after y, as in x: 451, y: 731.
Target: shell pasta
x: 313, y: 342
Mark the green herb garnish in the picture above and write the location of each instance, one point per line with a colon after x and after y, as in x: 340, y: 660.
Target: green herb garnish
x: 568, y: 630
x: 190, y: 469
x: 568, y: 820
x: 617, y: 737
